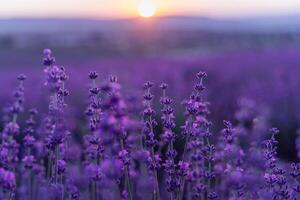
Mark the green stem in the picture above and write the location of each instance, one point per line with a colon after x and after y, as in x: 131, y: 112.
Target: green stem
x: 182, y: 185
x: 49, y: 166
x: 127, y: 179
x: 56, y: 165
x: 209, y: 169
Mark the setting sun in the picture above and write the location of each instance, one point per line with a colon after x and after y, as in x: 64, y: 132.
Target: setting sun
x: 146, y: 8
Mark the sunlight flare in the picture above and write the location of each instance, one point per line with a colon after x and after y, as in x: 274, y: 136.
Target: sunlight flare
x: 146, y: 8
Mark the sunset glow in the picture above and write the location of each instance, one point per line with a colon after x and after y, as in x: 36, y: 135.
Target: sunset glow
x: 146, y: 8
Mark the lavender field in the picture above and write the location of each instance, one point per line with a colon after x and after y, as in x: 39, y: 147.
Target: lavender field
x: 159, y: 110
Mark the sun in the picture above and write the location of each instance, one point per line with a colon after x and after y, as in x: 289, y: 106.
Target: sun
x: 146, y: 8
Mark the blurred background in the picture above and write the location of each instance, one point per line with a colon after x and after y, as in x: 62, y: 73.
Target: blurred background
x: 249, y: 48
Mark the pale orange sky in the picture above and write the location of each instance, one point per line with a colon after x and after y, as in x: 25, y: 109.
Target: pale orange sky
x: 128, y: 8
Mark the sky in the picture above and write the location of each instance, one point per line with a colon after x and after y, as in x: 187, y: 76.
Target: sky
x: 128, y: 8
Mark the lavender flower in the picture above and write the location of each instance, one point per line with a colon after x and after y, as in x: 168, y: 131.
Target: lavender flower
x: 149, y: 136
x: 124, y: 155
x: 274, y: 176
x: 169, y: 137
x: 7, y: 183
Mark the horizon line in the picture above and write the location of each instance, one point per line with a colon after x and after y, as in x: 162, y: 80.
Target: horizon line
x: 94, y: 18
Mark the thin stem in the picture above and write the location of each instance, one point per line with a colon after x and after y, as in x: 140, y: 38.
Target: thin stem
x: 95, y: 190
x: 182, y: 180
x: 63, y: 191
x: 90, y: 190
x: 30, y: 185
x: 55, y: 100
x: 127, y: 179
x: 156, y: 192
x: 49, y: 166
x: 56, y: 165
x: 209, y: 169
x: 15, y: 117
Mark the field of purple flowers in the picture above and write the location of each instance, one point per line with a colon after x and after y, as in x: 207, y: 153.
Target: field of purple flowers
x: 155, y: 144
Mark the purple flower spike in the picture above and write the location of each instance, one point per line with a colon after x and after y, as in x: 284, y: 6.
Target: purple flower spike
x: 93, y: 75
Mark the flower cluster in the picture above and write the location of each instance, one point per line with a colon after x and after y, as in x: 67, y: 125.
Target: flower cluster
x: 125, y: 150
